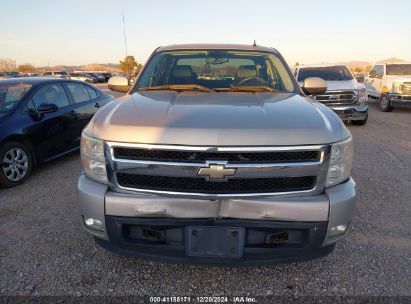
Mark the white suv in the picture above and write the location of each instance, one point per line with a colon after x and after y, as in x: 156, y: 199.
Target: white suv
x: 390, y: 84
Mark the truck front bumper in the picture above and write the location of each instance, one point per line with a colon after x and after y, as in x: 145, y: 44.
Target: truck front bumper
x: 399, y: 99
x: 269, y: 229
x: 351, y: 112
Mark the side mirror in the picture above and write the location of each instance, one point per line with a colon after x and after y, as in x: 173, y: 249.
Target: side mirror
x: 372, y: 74
x: 47, y: 108
x: 360, y: 78
x: 119, y: 84
x: 314, y: 85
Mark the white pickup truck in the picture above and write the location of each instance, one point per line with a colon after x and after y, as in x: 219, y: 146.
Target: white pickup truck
x: 390, y: 84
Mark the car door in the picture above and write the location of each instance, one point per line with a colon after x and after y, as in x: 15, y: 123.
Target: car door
x: 86, y: 102
x: 51, y: 132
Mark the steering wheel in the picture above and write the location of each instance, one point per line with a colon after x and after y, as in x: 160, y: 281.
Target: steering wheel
x: 253, y: 81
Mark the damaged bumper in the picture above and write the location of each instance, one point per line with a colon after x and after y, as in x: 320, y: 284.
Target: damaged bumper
x: 222, y: 231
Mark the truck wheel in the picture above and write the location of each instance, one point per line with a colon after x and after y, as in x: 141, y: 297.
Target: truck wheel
x: 15, y: 164
x: 360, y: 122
x: 384, y: 104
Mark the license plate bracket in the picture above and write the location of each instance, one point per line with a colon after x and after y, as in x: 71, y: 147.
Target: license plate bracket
x: 211, y: 241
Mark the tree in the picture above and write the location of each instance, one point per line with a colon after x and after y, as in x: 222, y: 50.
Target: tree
x: 7, y: 65
x: 26, y: 68
x: 130, y: 65
x: 368, y: 68
x: 296, y: 64
x: 358, y: 70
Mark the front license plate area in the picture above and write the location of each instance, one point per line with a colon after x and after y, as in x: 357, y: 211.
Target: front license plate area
x: 210, y: 241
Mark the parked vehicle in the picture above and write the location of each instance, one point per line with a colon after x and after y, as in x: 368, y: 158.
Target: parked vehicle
x: 100, y: 78
x: 242, y: 168
x: 390, y: 84
x: 345, y: 95
x: 107, y: 76
x: 83, y: 77
x: 41, y: 119
x: 12, y: 74
x: 4, y: 76
x: 56, y: 74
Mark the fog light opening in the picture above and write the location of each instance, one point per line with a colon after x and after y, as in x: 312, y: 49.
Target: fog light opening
x: 337, y: 230
x: 93, y: 224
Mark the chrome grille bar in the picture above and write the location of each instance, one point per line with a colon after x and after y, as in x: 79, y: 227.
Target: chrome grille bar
x: 244, y: 171
x: 337, y: 97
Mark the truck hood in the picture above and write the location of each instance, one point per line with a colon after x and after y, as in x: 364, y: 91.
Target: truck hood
x: 341, y: 85
x: 389, y: 79
x: 217, y: 119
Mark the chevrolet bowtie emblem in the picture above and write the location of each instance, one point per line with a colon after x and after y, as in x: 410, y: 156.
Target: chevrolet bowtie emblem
x: 216, y: 172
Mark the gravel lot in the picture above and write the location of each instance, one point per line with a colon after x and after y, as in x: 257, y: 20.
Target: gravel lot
x: 44, y: 250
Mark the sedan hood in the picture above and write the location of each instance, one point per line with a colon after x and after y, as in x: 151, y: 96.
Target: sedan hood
x: 218, y: 119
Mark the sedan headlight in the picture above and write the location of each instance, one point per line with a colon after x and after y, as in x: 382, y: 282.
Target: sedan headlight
x: 92, y: 158
x: 340, y: 165
x: 362, y: 96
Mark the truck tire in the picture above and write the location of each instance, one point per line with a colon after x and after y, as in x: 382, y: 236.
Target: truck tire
x: 16, y: 163
x: 384, y: 104
x: 360, y: 122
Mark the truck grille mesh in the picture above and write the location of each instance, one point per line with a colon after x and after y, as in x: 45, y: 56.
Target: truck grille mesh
x: 231, y: 186
x: 232, y: 157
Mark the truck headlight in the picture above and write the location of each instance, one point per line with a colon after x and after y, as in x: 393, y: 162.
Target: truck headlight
x: 340, y: 165
x: 397, y: 87
x: 92, y: 158
x: 362, y: 96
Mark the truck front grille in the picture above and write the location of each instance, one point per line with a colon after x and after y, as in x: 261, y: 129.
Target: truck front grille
x: 231, y: 186
x: 238, y: 157
x: 337, y: 97
x: 200, y: 171
x: 406, y: 88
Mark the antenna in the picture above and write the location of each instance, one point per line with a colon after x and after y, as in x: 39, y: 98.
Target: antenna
x: 124, y: 30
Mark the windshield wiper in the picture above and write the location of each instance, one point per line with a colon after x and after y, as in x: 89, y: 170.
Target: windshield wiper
x: 250, y: 89
x: 178, y: 87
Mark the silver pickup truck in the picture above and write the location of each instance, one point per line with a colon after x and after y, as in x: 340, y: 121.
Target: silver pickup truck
x: 216, y: 156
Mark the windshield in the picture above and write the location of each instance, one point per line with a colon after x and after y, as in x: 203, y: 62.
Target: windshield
x: 398, y: 69
x: 330, y: 73
x: 218, y: 70
x: 60, y: 73
x: 11, y: 94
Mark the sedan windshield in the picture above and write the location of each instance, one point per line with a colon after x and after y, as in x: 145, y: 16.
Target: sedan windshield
x: 11, y: 94
x: 216, y: 70
x: 330, y: 73
x: 398, y: 69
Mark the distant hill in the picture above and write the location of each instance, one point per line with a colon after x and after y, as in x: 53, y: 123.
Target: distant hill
x: 358, y: 64
x: 392, y: 60
x: 109, y: 67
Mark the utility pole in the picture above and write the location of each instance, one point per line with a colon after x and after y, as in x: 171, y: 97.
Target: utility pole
x: 124, y: 30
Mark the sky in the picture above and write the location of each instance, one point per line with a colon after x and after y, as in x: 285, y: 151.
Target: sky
x: 76, y: 32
